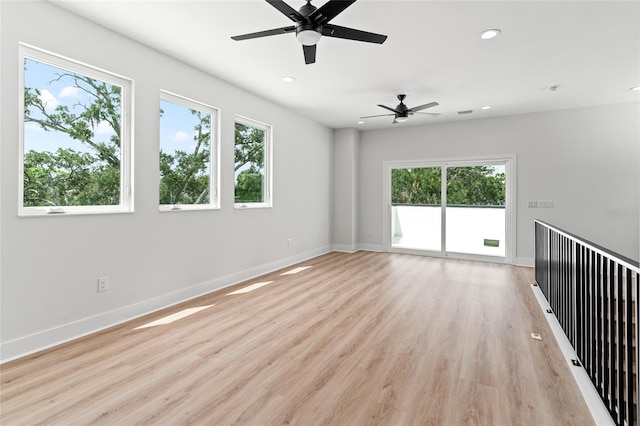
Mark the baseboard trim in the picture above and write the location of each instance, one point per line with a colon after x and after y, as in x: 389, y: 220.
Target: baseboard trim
x: 345, y: 248
x: 525, y: 261
x: 371, y: 247
x: 36, y: 342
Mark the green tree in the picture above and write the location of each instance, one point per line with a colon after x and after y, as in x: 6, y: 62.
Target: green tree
x: 71, y: 177
x: 184, y: 177
x: 249, y: 184
x: 416, y: 186
x: 249, y: 163
x: 474, y: 185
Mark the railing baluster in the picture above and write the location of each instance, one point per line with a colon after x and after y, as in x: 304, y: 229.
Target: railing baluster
x: 612, y: 341
x: 628, y: 356
x: 620, y: 344
x: 598, y: 321
x: 593, y: 293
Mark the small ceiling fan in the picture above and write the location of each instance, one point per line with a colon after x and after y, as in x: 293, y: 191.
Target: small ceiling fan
x: 311, y: 23
x: 401, y: 112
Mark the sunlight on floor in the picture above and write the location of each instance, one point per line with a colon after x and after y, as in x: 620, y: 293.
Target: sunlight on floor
x: 249, y: 288
x: 174, y: 317
x: 296, y: 270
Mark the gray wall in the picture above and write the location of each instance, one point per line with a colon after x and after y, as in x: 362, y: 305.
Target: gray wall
x: 345, y: 189
x: 585, y: 160
x: 50, y: 264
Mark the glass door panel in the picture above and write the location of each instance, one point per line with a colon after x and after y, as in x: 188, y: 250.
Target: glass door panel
x: 475, y: 210
x: 416, y: 208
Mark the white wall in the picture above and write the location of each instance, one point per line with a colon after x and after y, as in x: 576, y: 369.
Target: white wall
x: 346, y: 146
x: 586, y: 160
x: 50, y: 264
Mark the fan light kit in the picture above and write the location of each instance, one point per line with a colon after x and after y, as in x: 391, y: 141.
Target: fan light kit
x: 489, y: 34
x: 401, y: 112
x: 308, y: 37
x: 312, y: 23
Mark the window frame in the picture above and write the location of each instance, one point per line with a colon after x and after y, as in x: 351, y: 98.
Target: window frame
x: 268, y: 164
x: 214, y: 153
x: 126, y: 205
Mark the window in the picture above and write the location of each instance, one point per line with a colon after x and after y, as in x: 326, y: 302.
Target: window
x: 253, y: 164
x: 75, y: 137
x: 188, y: 154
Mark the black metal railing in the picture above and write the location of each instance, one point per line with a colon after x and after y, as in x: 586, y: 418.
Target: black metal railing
x: 593, y: 292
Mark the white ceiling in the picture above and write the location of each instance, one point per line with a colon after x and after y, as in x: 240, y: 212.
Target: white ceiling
x: 433, y: 53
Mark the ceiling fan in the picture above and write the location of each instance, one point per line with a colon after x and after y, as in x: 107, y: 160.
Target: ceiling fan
x: 401, y: 112
x: 311, y: 23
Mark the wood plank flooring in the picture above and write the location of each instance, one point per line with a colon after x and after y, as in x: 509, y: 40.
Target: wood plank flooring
x: 354, y: 339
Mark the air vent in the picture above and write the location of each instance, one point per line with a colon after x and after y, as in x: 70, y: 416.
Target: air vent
x: 469, y: 111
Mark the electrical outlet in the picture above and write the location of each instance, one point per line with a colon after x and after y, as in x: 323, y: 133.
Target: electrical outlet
x: 103, y: 284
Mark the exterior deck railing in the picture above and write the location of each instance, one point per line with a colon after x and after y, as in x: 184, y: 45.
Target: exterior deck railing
x: 593, y: 293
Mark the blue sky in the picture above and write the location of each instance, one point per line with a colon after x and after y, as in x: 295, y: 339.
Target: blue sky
x: 176, y: 131
x: 177, y: 128
x: 53, y: 93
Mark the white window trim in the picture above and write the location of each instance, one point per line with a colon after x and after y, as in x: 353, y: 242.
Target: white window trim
x: 268, y: 164
x: 214, y: 153
x: 126, y: 143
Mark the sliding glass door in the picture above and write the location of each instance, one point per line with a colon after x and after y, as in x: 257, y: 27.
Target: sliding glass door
x: 449, y: 208
x: 416, y: 208
x: 475, y: 212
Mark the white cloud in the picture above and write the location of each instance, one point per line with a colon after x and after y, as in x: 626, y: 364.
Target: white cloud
x: 103, y: 128
x: 46, y: 97
x: 181, y: 136
x: 70, y: 92
x: 33, y: 127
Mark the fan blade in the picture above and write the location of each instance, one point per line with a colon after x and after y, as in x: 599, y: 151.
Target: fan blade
x: 329, y: 10
x: 352, y: 34
x: 435, y: 114
x: 381, y: 115
x: 287, y: 10
x: 309, y: 54
x: 390, y: 109
x: 425, y: 106
x: 275, y: 31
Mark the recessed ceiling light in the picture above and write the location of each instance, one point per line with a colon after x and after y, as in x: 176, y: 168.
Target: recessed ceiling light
x: 288, y: 79
x: 360, y: 122
x: 486, y: 107
x: 489, y: 34
x: 635, y: 89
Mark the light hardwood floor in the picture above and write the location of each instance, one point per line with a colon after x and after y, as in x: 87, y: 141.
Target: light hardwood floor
x: 354, y: 339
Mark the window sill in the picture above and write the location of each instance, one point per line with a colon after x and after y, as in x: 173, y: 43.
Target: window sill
x: 167, y: 208
x: 250, y: 206
x: 70, y: 211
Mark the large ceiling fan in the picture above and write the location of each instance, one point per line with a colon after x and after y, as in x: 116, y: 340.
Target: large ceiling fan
x: 311, y: 23
x: 402, y: 112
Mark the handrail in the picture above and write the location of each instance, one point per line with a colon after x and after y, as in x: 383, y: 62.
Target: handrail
x: 628, y: 262
x: 593, y: 292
